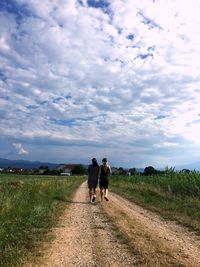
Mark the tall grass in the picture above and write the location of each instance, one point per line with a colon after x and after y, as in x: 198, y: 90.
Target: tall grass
x: 29, y: 207
x: 175, y: 195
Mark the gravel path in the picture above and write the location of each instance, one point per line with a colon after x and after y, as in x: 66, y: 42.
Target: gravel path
x: 175, y: 244
x: 85, y: 237
x: 117, y: 233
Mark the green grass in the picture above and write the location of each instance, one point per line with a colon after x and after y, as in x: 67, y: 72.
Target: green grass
x: 28, y: 210
x: 174, y: 195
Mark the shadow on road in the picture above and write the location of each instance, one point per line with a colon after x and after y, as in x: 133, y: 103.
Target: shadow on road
x: 75, y: 202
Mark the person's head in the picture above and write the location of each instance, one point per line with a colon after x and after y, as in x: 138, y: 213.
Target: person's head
x: 105, y: 161
x: 94, y: 161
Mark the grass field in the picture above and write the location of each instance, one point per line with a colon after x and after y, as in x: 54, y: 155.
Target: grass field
x: 29, y: 207
x: 174, y: 195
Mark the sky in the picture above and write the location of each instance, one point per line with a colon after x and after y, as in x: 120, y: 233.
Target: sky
x: 100, y: 78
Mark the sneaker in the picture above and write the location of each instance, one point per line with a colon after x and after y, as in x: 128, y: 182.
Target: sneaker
x: 106, y: 199
x: 93, y: 199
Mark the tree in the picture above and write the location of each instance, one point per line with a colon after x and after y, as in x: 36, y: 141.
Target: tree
x: 150, y: 170
x: 132, y: 171
x: 44, y: 167
x: 185, y: 171
x: 122, y: 171
x: 79, y: 170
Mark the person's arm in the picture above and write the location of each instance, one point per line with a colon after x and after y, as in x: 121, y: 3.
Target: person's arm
x: 99, y: 173
x: 110, y: 171
x: 89, y: 170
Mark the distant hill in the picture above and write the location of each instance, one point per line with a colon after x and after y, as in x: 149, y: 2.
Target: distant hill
x: 25, y: 164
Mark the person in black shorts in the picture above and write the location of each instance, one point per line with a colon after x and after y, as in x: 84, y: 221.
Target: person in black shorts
x: 104, y: 173
x: 93, y: 171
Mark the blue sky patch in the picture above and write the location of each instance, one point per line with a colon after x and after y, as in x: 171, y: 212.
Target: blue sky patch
x: 151, y: 23
x: 42, y: 103
x: 144, y: 56
x: 68, y: 97
x: 81, y: 2
x: 70, y: 122
x: 130, y: 36
x: 57, y: 99
x: 196, y: 121
x: 32, y: 107
x: 2, y: 76
x: 67, y: 122
x: 160, y: 117
x: 20, y: 11
x: 5, y: 97
x: 151, y: 48
x: 102, y: 4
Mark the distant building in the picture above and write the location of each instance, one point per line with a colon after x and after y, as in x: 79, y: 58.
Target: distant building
x: 65, y: 173
x: 41, y: 171
x: 66, y: 169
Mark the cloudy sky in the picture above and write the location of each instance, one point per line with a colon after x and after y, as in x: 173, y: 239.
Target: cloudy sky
x: 100, y: 78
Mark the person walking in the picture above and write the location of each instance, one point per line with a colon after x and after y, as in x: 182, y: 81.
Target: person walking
x: 93, y: 171
x: 104, y: 173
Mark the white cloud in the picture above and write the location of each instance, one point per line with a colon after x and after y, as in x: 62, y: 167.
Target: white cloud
x: 127, y: 80
x: 20, y: 149
x: 166, y: 144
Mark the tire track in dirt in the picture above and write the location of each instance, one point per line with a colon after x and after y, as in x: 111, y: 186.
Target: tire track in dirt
x: 161, y: 242
x: 85, y: 237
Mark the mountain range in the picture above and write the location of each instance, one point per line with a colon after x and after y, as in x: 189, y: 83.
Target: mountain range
x: 25, y: 164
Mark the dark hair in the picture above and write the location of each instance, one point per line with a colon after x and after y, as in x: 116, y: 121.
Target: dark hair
x: 94, y: 162
x: 104, y: 160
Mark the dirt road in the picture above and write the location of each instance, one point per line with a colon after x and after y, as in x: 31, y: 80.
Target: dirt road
x: 116, y: 234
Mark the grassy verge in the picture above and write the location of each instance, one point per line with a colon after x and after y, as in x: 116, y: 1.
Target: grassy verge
x: 173, y: 196
x: 29, y: 207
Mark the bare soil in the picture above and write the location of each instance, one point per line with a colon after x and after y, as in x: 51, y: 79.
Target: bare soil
x: 117, y: 233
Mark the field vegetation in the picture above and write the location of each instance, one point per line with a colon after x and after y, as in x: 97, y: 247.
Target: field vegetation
x: 29, y: 207
x: 172, y: 194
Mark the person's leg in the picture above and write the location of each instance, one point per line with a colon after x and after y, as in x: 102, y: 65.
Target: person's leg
x: 101, y: 193
x: 106, y: 190
x: 94, y: 194
x: 101, y: 189
x: 90, y: 194
x: 106, y: 194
